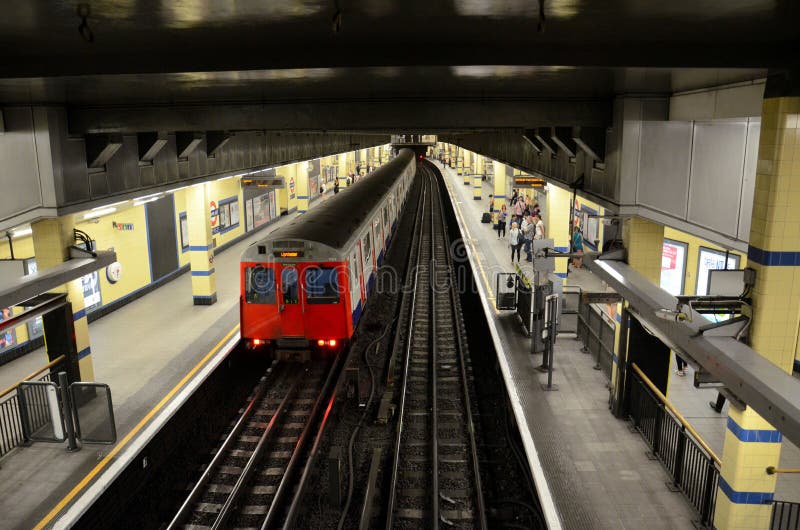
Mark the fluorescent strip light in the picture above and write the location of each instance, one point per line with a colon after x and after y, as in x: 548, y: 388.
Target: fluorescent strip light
x: 176, y: 189
x: 139, y: 202
x: 156, y: 195
x: 109, y: 205
x: 22, y: 232
x: 97, y: 213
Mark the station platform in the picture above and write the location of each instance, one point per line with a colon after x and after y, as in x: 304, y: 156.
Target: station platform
x: 150, y: 352
x: 596, y: 469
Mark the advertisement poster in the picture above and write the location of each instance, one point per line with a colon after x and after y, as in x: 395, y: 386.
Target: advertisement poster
x: 235, y: 213
x: 7, y: 336
x: 272, y: 209
x: 673, y: 266
x: 35, y: 326
x: 261, y: 210
x: 248, y: 214
x: 91, y: 289
x: 712, y: 260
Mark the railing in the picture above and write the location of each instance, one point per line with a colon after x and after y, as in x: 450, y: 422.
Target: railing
x: 570, y: 309
x: 690, y: 461
x: 12, y: 433
x: 597, y: 330
x: 785, y: 516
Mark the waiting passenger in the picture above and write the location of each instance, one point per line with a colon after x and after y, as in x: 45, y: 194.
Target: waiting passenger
x: 336, y: 187
x: 515, y: 240
x: 491, y: 203
x: 528, y: 228
x: 577, y: 248
x: 502, y: 219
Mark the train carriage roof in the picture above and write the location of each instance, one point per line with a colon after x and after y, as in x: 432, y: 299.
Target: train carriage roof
x: 335, y: 223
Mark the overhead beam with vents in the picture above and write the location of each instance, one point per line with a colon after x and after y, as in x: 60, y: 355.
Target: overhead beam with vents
x: 100, y: 148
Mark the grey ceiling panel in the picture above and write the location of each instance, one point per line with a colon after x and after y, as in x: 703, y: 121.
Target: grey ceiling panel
x: 716, y: 175
x: 664, y: 162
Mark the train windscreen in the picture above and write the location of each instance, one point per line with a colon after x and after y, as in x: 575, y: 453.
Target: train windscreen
x: 322, y: 286
x: 259, y: 285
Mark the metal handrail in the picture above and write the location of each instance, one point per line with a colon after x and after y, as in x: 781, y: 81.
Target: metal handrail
x: 199, y: 487
x: 29, y: 377
x: 678, y: 415
x: 771, y: 470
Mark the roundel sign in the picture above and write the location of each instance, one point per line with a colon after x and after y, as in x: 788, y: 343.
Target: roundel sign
x: 214, y: 213
x: 291, y: 185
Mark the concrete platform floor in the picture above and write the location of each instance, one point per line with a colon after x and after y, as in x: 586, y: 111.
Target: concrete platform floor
x: 596, y: 467
x: 588, y: 418
x: 141, y: 351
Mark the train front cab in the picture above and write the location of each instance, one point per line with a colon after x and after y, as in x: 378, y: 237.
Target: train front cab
x: 295, y: 310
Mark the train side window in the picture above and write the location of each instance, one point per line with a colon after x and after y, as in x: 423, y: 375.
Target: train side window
x: 322, y: 285
x: 367, y: 248
x: 259, y: 285
x: 289, y: 286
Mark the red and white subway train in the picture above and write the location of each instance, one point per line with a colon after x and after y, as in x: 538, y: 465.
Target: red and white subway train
x: 304, y: 286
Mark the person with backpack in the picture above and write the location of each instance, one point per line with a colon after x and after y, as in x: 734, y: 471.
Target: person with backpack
x: 527, y: 234
x: 515, y: 240
x: 577, y: 247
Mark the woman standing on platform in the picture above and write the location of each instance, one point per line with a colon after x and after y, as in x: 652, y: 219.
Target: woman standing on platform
x: 502, y: 219
x: 515, y: 239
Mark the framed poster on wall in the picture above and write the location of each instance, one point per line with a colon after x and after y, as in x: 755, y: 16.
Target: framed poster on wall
x: 673, y: 266
x: 248, y: 215
x: 710, y: 259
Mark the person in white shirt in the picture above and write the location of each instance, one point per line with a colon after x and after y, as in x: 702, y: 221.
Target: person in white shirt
x: 515, y: 240
x: 539, y: 234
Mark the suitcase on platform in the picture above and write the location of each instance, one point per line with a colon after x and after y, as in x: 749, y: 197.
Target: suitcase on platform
x: 486, y: 217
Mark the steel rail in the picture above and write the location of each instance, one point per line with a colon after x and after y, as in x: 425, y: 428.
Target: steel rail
x: 434, y: 349
x: 199, y: 487
x: 406, y: 365
x: 249, y: 468
x: 480, y: 501
x: 294, y: 507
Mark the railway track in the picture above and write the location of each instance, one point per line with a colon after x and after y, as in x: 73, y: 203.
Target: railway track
x: 435, y: 477
x: 256, y: 477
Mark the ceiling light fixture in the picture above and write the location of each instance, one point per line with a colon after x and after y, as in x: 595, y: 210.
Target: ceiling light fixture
x: 97, y: 213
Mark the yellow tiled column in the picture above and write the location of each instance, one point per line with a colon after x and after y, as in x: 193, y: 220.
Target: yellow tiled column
x: 301, y: 179
x: 468, y: 158
x: 644, y: 241
x: 51, y: 241
x: 499, y: 184
x: 476, y: 187
x: 201, y: 251
x: 556, y: 222
x: 752, y: 444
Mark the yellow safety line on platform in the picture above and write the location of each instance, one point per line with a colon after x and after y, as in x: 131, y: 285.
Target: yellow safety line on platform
x: 104, y: 462
x: 471, y: 244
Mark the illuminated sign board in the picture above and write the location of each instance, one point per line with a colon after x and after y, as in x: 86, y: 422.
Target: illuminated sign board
x: 289, y: 254
x: 527, y: 181
x: 262, y: 182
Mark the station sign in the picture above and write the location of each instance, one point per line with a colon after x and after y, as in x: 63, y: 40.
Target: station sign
x: 528, y: 181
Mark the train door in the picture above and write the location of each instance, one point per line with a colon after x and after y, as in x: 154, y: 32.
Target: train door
x: 368, y: 264
x: 291, y: 303
x: 355, y: 286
